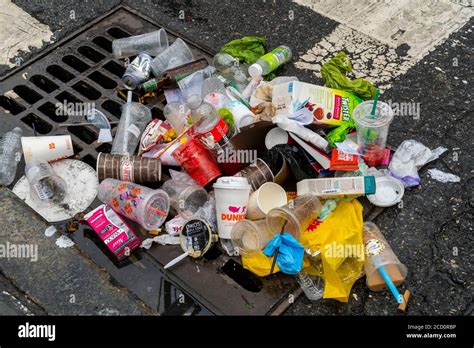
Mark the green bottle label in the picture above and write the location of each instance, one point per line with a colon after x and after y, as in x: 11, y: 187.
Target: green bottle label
x: 277, y: 57
x: 150, y: 86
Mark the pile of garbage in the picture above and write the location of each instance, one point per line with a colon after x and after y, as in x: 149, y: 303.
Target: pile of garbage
x: 267, y: 168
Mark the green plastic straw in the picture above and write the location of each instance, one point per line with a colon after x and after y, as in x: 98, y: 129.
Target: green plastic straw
x: 374, y: 106
x: 372, y: 116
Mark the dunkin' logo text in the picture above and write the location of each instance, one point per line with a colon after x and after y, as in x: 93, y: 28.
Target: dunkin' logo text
x: 236, y: 214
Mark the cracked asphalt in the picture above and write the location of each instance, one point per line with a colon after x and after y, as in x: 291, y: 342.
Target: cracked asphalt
x: 432, y: 233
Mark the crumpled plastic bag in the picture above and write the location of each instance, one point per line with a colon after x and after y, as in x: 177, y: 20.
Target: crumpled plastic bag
x: 334, y: 76
x: 409, y: 157
x: 290, y: 254
x: 339, y: 238
x: 164, y: 239
x: 247, y: 49
x: 443, y: 177
x: 296, y: 159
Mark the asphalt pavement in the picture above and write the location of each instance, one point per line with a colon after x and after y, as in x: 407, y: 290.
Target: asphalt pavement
x: 432, y: 231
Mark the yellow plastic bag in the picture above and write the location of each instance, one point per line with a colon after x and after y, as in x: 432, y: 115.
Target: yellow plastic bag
x: 339, y: 238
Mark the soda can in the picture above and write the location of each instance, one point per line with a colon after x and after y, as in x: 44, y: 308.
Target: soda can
x: 137, y: 71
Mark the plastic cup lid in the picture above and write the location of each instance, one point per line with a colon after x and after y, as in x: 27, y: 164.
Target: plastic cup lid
x: 232, y: 182
x: 362, y: 114
x: 389, y: 191
x: 276, y: 136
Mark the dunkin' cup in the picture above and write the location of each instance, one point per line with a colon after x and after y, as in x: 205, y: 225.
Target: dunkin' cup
x: 178, y: 53
x: 232, y: 195
x: 139, y: 203
x: 152, y: 43
x: 267, y: 197
x: 379, y: 254
x: 197, y: 161
x: 372, y: 130
x: 257, y: 174
x: 133, y: 121
x: 294, y: 217
x: 250, y: 237
x: 185, y: 199
x: 128, y: 168
x: 48, y: 148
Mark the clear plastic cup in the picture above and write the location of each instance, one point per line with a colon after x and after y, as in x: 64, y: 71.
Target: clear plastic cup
x: 372, y: 130
x: 184, y: 198
x: 177, y: 54
x: 295, y: 216
x: 378, y: 254
x: 133, y: 121
x: 177, y: 115
x: 257, y: 174
x: 250, y: 237
x: 150, y: 43
x: 46, y: 187
x: 139, y: 203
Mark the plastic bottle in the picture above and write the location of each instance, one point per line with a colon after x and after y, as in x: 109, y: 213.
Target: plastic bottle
x: 10, y: 155
x: 312, y: 291
x: 270, y: 61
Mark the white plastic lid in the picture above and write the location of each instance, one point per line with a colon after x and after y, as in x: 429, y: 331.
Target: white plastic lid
x: 389, y: 191
x: 255, y: 70
x: 276, y: 136
x: 232, y: 182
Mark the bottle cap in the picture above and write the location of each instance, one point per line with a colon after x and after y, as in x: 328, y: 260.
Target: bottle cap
x: 255, y: 70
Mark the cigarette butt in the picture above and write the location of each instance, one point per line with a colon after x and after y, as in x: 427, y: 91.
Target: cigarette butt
x: 403, y: 306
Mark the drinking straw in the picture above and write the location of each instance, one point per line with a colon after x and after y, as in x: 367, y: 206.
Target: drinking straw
x: 372, y: 116
x: 176, y: 260
x: 163, y: 150
x: 391, y: 286
x: 34, y: 129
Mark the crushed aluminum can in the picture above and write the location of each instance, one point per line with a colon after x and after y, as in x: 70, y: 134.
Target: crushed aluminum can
x: 137, y: 71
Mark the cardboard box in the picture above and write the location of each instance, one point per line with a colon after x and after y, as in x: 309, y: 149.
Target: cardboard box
x: 337, y: 187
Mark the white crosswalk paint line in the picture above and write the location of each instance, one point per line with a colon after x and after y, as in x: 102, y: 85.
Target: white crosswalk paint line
x: 370, y: 32
x: 19, y: 31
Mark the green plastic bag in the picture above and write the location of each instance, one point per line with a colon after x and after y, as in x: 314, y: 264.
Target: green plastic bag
x: 334, y: 76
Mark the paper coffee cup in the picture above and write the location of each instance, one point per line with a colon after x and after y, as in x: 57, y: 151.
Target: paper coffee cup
x: 267, y: 197
x: 232, y: 195
x: 48, y: 148
x: 128, y: 168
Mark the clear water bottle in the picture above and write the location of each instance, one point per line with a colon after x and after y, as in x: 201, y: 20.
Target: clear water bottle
x: 10, y: 155
x: 312, y: 288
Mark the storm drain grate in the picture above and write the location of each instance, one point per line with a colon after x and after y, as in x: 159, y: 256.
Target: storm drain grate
x: 80, y: 71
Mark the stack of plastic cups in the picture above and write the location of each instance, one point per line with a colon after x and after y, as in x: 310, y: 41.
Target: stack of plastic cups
x: 250, y: 237
x: 150, y: 43
x: 133, y: 121
x: 139, y: 203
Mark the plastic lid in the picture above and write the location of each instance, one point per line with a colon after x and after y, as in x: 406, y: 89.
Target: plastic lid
x: 255, y: 70
x: 389, y: 192
x: 383, y: 114
x: 232, y: 182
x: 276, y: 136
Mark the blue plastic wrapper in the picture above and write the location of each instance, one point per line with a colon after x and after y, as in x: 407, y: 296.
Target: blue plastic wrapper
x: 290, y: 256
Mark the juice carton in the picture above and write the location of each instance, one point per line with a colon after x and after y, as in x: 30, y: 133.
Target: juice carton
x: 113, y: 231
x: 329, y: 106
x: 341, y: 187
